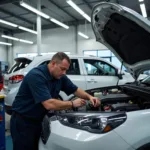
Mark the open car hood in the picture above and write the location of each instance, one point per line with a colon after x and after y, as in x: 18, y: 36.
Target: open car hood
x: 126, y: 33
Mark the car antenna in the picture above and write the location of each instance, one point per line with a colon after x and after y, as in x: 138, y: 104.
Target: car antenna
x: 120, y: 73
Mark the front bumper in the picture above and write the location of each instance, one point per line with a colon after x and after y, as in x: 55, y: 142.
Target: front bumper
x: 66, y: 138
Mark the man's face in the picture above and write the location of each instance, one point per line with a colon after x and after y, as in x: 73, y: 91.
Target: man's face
x: 59, y: 69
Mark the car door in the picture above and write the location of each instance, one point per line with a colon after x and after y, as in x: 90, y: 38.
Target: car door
x: 99, y: 73
x: 75, y: 74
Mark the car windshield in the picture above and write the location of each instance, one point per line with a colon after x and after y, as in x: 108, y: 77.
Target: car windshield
x: 146, y: 80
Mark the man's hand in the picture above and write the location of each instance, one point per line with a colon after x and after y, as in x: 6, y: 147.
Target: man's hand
x: 95, y: 101
x: 79, y: 102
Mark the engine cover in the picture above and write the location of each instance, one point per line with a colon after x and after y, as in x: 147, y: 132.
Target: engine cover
x: 124, y: 107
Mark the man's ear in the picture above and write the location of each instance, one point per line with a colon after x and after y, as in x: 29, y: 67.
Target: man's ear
x: 53, y: 63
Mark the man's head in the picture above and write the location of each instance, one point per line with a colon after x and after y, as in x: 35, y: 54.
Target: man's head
x: 59, y: 65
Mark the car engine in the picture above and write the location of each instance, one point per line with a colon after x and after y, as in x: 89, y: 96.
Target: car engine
x: 115, y: 100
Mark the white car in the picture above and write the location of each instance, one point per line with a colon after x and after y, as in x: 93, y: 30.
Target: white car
x: 123, y: 119
x: 85, y: 72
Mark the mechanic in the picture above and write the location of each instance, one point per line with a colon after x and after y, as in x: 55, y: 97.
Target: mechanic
x: 37, y: 95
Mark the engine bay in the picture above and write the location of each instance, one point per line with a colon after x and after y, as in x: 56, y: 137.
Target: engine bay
x: 116, y: 99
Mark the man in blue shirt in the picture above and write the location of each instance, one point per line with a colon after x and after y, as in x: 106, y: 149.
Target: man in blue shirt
x: 37, y: 95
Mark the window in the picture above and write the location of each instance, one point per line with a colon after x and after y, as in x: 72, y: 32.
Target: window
x: 107, y: 55
x: 92, y: 53
x: 20, y: 63
x: 96, y: 67
x: 74, y: 68
x: 104, y: 53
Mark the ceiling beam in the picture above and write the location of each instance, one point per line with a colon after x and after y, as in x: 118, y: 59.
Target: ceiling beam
x: 16, y: 4
x: 16, y: 16
x: 4, y: 2
x: 82, y: 3
x: 54, y: 3
x: 51, y: 26
x: 86, y: 2
x: 6, y: 30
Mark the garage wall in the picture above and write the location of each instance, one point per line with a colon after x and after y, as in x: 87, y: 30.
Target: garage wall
x: 88, y: 44
x: 58, y: 39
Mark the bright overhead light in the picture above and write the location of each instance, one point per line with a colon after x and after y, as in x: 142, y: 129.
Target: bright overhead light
x: 3, y: 43
x: 72, y: 4
x: 141, y: 0
x: 25, y: 41
x: 8, y: 23
x: 87, y: 17
x: 59, y: 23
x: 15, y: 25
x: 34, y: 10
x: 143, y: 10
x: 28, y: 30
x: 83, y: 35
x: 9, y: 37
x: 16, y: 39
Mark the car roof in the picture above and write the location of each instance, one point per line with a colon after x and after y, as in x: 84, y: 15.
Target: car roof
x: 51, y: 55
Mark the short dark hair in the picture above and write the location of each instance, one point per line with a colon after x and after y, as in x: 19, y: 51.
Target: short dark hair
x: 58, y: 57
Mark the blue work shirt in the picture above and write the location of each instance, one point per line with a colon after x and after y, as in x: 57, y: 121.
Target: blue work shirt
x: 38, y: 86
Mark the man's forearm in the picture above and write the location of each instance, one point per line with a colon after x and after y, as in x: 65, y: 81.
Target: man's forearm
x: 82, y: 94
x: 54, y: 104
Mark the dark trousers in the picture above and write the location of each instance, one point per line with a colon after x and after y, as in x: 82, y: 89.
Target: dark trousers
x: 25, y: 133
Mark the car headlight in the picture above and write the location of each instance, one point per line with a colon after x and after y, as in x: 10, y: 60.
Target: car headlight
x: 95, y: 123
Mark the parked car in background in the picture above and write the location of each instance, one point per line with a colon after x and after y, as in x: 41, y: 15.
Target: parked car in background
x: 85, y: 71
x: 122, y: 121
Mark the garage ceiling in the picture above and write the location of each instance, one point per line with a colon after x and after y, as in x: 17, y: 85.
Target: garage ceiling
x: 10, y: 10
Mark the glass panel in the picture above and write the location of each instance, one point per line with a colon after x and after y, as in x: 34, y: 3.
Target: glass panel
x: 92, y: 53
x: 31, y: 54
x: 20, y: 63
x: 96, y: 67
x: 116, y: 62
x: 112, y: 54
x: 21, y: 55
x: 106, y: 58
x: 74, y: 68
x: 104, y: 53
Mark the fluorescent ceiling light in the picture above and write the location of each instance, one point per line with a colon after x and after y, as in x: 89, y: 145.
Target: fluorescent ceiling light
x: 15, y: 25
x: 3, y: 43
x: 16, y: 39
x: 28, y: 30
x: 34, y: 10
x: 87, y: 17
x: 25, y: 41
x: 59, y: 23
x: 143, y: 10
x: 83, y: 35
x: 8, y: 23
x: 141, y: 0
x: 72, y: 4
x: 9, y: 37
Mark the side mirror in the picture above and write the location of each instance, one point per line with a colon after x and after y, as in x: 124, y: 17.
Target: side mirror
x: 120, y: 76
